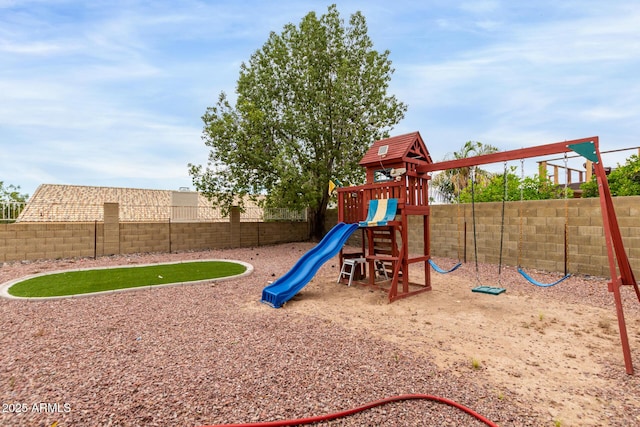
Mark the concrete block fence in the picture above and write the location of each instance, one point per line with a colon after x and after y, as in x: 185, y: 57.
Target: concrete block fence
x: 533, y: 234
x: 31, y: 241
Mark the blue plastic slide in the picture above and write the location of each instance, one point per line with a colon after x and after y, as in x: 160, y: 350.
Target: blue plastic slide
x: 283, y: 289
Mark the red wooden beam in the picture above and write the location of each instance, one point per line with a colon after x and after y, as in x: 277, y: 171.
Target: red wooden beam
x: 503, y: 156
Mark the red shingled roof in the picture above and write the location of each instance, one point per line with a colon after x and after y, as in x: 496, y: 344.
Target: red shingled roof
x: 409, y: 145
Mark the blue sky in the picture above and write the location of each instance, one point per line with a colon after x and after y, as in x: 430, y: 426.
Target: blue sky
x: 111, y: 93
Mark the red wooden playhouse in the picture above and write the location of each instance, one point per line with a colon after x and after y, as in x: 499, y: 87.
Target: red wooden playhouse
x: 392, y: 167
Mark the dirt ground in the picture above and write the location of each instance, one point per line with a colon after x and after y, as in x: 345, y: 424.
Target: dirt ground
x: 547, y: 356
x: 532, y: 345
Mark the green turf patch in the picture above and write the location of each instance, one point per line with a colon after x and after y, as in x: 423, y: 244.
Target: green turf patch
x: 108, y: 279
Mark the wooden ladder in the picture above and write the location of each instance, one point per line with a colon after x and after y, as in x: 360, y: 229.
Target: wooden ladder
x: 384, y: 245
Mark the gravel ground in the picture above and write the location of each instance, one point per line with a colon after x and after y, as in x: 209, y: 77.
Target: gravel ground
x: 210, y: 354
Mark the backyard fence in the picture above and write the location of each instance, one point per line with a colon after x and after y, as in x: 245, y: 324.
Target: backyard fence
x: 533, y: 234
x: 114, y: 235
x: 86, y: 212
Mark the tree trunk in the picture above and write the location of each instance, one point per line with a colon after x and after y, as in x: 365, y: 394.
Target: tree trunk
x: 316, y: 219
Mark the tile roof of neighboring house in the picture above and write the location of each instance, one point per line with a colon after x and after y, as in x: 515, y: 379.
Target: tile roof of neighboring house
x: 60, y: 203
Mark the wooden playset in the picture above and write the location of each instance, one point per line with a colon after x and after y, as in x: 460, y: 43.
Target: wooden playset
x: 392, y: 173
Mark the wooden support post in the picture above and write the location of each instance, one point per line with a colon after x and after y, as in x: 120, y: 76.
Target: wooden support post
x: 616, y: 252
x: 427, y: 250
x: 542, y: 169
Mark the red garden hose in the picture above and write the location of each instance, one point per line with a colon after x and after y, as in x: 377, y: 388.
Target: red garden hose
x: 369, y: 405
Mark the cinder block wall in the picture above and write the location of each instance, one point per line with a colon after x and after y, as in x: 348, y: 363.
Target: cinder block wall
x: 542, y: 244
x: 137, y: 237
x: 199, y: 236
x: 49, y: 240
x: 31, y: 241
x: 271, y: 233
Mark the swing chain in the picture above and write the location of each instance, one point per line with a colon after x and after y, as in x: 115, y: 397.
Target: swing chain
x: 460, y: 221
x: 566, y: 215
x: 472, y: 172
x: 520, y: 213
x: 504, y: 199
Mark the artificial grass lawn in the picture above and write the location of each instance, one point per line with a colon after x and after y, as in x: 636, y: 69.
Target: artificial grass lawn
x: 96, y: 280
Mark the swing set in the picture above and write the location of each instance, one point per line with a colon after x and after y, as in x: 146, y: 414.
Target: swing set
x: 398, y: 170
x: 497, y: 290
x: 620, y: 269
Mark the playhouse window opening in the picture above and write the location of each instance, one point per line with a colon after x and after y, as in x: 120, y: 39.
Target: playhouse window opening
x: 382, y: 175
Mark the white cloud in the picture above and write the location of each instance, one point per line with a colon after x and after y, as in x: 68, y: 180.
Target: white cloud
x: 32, y: 48
x: 128, y: 83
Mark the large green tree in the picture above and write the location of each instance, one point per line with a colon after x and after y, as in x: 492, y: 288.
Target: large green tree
x: 309, y: 104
